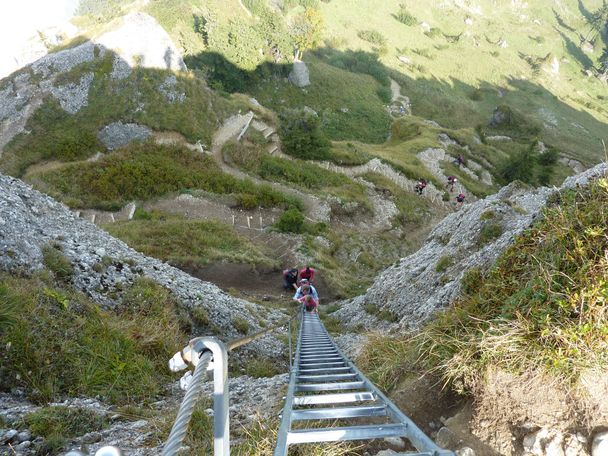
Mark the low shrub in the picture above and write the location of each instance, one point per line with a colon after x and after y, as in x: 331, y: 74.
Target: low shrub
x: 372, y: 36
x: 261, y: 368
x: 488, y: 233
x: 189, y: 242
x: 291, y: 221
x: 241, y: 325
x: 63, y: 422
x: 404, y: 16
x: 57, y: 263
x: 444, y: 263
x: 144, y: 171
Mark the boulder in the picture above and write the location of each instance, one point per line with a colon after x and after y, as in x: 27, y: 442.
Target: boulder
x: 299, y: 75
x: 600, y: 444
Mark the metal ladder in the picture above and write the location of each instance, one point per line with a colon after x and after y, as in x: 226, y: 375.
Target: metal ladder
x: 323, y: 382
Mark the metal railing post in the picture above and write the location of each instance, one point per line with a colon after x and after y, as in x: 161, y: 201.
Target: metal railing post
x: 289, y: 338
x: 221, y: 396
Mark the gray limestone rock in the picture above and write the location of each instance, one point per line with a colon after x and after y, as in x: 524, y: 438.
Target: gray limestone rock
x: 118, y: 134
x: 416, y: 287
x: 299, y: 75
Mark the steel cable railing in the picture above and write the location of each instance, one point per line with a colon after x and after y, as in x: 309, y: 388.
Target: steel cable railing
x: 198, y: 354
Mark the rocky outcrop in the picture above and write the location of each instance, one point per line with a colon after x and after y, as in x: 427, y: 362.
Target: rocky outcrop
x: 140, y: 40
x: 429, y: 280
x: 105, y: 267
x: 299, y: 75
x: 118, y: 134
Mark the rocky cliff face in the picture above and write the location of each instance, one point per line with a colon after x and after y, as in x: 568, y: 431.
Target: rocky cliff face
x: 430, y: 279
x: 138, y: 40
x: 105, y: 267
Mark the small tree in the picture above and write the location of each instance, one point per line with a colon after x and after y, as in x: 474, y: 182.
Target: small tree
x: 302, y: 136
x: 307, y: 30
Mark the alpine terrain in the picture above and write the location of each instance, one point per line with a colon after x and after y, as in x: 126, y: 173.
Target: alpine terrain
x: 440, y: 165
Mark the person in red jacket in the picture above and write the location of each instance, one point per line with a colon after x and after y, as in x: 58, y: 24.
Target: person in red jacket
x: 307, y: 273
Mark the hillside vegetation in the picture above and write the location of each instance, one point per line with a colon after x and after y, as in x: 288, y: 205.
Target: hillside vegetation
x: 540, y: 310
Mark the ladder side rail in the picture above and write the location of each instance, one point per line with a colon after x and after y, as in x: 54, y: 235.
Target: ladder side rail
x: 281, y: 447
x: 419, y: 439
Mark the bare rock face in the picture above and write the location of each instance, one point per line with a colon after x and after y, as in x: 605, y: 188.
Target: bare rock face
x: 118, y: 134
x: 299, y: 75
x: 140, y: 40
x: 430, y: 279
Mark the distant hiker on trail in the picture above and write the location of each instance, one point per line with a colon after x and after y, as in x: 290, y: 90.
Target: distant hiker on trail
x: 290, y: 279
x: 460, y: 200
x: 420, y: 186
x: 307, y: 273
x: 310, y: 304
x: 304, y: 290
x: 451, y: 181
x: 459, y: 160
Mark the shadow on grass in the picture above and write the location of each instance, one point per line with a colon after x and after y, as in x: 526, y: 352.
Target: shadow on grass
x: 443, y: 100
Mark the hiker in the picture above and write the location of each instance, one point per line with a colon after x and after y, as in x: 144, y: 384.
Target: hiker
x: 308, y: 274
x: 290, y: 279
x: 459, y: 160
x: 460, y: 200
x: 420, y: 186
x: 451, y: 181
x: 305, y: 289
x: 310, y: 304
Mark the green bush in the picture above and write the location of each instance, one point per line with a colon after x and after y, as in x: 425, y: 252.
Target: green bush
x: 372, y: 36
x: 291, y: 221
x: 302, y: 137
x: 547, y: 279
x: 487, y: 215
x: 57, y: 263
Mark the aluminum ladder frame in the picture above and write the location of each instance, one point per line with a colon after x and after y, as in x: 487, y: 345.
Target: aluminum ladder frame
x: 321, y: 367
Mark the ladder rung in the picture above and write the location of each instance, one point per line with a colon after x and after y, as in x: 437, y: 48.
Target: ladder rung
x: 303, y: 366
x: 336, y: 398
x: 346, y: 433
x: 329, y: 386
x: 326, y: 377
x: 339, y: 412
x: 321, y: 358
x: 331, y: 351
x: 327, y: 369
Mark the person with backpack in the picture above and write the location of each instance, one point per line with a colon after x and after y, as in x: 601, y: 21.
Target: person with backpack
x: 460, y: 200
x: 290, y: 279
x: 305, y: 289
x: 451, y: 181
x: 310, y: 304
x: 420, y: 186
x: 308, y: 274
